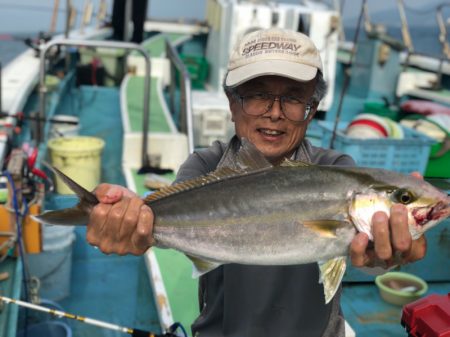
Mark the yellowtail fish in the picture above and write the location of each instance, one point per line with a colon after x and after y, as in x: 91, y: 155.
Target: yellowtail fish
x: 251, y: 212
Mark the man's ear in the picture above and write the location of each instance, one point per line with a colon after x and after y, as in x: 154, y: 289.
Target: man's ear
x: 313, y: 111
x: 231, y: 103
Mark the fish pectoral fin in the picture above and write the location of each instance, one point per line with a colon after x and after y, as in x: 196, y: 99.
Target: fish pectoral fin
x: 326, y: 228
x: 331, y: 274
x: 202, y: 266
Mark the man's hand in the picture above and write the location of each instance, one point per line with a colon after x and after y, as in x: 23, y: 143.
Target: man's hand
x: 392, y: 242
x: 121, y: 223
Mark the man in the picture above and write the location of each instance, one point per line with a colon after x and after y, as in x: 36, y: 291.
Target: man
x: 274, y: 85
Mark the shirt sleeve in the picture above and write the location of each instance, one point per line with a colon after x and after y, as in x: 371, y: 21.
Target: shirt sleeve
x: 201, y: 162
x: 323, y: 156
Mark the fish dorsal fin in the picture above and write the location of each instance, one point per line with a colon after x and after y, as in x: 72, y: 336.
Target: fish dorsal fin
x: 202, y: 266
x: 331, y: 274
x: 294, y: 163
x: 247, y: 159
x: 189, y: 184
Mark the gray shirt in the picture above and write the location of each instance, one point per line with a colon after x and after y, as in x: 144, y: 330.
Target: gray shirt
x: 253, y: 301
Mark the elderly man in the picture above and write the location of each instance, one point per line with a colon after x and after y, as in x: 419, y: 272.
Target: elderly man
x: 274, y: 85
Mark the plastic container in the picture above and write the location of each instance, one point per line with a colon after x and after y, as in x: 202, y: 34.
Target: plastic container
x: 56, y: 237
x: 438, y: 164
x: 439, y: 161
x: 197, y: 67
x: 380, y: 108
x: 53, y: 266
x: 402, y: 155
x: 400, y: 288
x: 79, y: 158
x: 314, y: 133
x: 47, y: 329
x: 429, y: 316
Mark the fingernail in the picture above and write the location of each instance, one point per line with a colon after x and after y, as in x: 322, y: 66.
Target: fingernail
x: 379, y: 217
x: 111, y: 194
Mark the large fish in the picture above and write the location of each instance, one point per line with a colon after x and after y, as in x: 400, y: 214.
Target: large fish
x: 250, y: 212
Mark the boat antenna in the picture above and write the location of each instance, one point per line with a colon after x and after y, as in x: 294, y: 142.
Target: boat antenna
x: 405, y: 29
x: 102, y: 324
x: 443, y: 40
x: 347, y: 73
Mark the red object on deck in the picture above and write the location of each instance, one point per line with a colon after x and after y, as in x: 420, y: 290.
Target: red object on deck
x: 428, y: 317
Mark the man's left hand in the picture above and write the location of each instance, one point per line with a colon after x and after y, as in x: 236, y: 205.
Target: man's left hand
x: 392, y: 242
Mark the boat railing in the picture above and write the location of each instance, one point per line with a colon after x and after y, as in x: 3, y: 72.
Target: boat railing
x: 176, y: 65
x: 98, y: 44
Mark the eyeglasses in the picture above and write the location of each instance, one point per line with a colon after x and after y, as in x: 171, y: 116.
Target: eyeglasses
x: 258, y: 104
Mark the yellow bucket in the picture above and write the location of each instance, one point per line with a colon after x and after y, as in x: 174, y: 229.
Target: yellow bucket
x: 80, y: 158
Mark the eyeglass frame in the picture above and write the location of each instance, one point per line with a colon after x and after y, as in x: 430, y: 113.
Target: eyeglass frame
x: 308, y: 105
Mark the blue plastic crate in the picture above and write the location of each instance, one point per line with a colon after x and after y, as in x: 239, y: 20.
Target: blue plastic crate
x: 314, y: 133
x: 402, y: 155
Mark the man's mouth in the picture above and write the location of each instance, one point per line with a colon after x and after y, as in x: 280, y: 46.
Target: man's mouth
x: 270, y: 132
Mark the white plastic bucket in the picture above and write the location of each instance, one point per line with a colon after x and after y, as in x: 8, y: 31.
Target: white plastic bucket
x: 56, y: 237
x: 79, y: 158
x: 64, y: 129
x: 54, y: 265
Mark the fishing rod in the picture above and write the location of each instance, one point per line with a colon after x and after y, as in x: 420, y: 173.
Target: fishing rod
x: 102, y: 324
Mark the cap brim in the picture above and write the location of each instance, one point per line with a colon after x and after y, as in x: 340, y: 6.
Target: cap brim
x: 293, y: 70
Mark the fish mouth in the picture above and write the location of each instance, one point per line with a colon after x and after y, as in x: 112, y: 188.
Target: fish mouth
x: 439, y: 211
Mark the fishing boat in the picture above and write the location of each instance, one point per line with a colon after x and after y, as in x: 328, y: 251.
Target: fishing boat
x: 149, y: 105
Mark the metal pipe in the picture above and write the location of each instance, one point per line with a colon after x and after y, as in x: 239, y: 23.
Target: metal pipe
x: 66, y: 33
x: 1, y: 106
x: 442, y: 31
x: 54, y: 17
x: 127, y: 19
x: 102, y: 44
x: 68, y: 10
x: 185, y: 86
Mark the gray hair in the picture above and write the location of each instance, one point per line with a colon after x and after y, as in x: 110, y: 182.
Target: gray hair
x: 319, y: 91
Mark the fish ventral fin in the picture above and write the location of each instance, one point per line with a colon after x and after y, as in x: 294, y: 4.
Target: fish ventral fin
x: 201, y: 266
x: 331, y: 274
x: 248, y: 159
x: 325, y: 228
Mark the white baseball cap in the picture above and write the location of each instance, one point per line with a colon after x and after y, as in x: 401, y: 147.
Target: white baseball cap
x: 273, y: 51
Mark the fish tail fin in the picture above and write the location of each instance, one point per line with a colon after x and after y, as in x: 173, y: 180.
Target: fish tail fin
x: 331, y: 274
x: 77, y: 215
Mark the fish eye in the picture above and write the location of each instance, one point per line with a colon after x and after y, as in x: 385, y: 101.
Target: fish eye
x: 403, y: 196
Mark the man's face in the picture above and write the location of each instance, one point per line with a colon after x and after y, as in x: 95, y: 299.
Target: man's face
x: 272, y: 133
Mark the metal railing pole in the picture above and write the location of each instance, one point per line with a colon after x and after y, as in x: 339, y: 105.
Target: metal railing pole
x: 186, y: 120
x: 102, y: 44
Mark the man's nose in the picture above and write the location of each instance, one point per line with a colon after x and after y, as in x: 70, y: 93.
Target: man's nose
x: 275, y: 112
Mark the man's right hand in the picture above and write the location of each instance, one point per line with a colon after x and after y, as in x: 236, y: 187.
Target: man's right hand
x: 121, y: 223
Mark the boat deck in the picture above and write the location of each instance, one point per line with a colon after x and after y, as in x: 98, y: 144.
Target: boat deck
x: 105, y: 287
x: 369, y: 315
